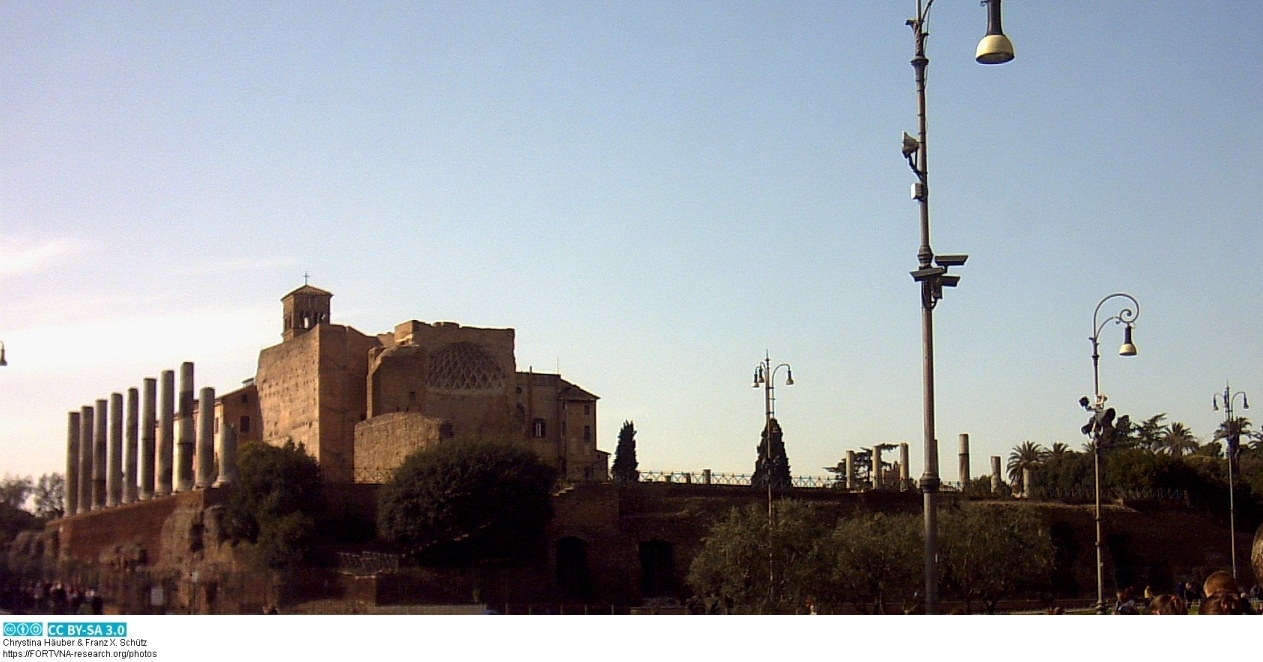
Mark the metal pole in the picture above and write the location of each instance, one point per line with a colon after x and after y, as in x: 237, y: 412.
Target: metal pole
x: 1096, y: 472
x: 930, y: 479
x: 1125, y: 316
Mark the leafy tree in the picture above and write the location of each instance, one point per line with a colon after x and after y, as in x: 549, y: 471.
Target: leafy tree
x: 14, y: 518
x: 876, y: 562
x: 625, y: 465
x: 50, y: 495
x: 467, y: 500
x: 776, y: 466
x: 275, y: 501
x: 1058, y: 451
x: 14, y: 490
x: 1067, y: 477
x: 746, y: 568
x: 991, y: 553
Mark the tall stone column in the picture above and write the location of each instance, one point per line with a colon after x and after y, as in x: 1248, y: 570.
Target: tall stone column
x: 114, y: 475
x: 227, y: 450
x: 87, y: 424
x: 995, y: 474
x: 148, y: 437
x: 72, y: 463
x: 205, y: 438
x: 964, y: 460
x: 166, y: 435
x: 876, y: 467
x: 99, y: 454
x: 850, y: 470
x: 131, y: 447
x: 184, y: 444
x: 903, y: 466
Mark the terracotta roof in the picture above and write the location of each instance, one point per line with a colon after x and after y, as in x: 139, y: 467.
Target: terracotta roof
x: 307, y: 289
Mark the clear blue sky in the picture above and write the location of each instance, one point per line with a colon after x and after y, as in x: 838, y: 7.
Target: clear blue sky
x: 652, y: 194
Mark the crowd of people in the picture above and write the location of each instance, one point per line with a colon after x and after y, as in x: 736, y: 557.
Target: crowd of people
x: 53, y: 598
x: 1219, y: 594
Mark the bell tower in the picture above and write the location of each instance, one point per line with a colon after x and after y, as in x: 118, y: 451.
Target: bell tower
x: 303, y: 309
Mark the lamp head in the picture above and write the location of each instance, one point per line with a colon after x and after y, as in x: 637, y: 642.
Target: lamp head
x: 789, y: 376
x: 758, y: 377
x: 1245, y: 402
x: 1128, y: 348
x: 910, y: 145
x: 3, y: 362
x: 995, y: 48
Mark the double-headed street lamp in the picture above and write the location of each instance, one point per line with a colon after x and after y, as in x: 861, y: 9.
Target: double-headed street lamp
x: 1234, y: 447
x: 1103, y: 418
x: 931, y: 270
x: 765, y: 376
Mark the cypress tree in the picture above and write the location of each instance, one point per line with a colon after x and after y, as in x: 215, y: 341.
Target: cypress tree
x: 625, y: 464
x: 777, y: 466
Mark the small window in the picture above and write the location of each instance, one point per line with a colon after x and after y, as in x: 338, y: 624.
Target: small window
x: 538, y: 429
x: 587, y: 433
x: 245, y: 425
x: 245, y: 398
x: 587, y: 410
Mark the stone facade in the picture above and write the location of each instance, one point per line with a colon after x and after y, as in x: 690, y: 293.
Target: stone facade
x: 326, y: 386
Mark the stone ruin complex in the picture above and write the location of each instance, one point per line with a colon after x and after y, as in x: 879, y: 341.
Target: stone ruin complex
x: 359, y: 404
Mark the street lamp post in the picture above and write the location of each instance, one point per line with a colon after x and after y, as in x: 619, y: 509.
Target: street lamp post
x: 931, y: 270
x: 765, y: 376
x: 1234, y: 447
x: 1125, y: 316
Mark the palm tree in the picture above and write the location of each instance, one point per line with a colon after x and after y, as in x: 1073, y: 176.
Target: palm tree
x: 1059, y: 450
x: 1152, y: 433
x: 1179, y: 439
x: 1024, y: 456
x: 1234, y: 430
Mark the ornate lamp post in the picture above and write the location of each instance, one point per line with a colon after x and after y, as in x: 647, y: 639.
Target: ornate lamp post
x: 931, y: 270
x: 1125, y: 316
x: 1234, y: 447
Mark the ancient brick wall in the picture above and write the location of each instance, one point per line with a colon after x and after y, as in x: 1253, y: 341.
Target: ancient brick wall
x: 101, y: 536
x: 382, y: 443
x: 313, y: 390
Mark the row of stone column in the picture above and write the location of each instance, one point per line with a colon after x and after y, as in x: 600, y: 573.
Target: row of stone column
x: 118, y: 454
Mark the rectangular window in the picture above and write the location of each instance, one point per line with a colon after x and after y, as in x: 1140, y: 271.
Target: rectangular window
x: 245, y: 425
x: 587, y: 410
x: 538, y: 428
x: 587, y: 433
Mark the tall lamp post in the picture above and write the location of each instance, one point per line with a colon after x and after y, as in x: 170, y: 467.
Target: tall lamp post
x: 931, y: 270
x: 1125, y: 316
x: 765, y: 376
x: 1234, y: 447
